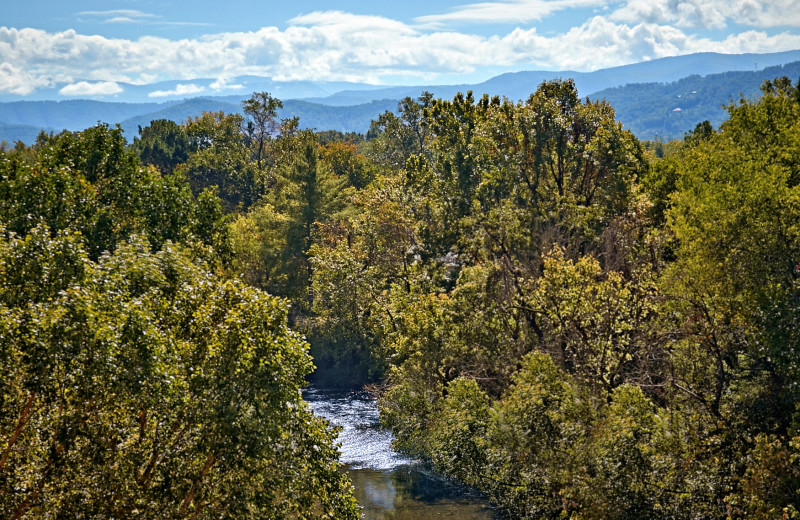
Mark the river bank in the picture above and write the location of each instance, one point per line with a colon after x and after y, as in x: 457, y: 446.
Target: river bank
x: 388, y: 484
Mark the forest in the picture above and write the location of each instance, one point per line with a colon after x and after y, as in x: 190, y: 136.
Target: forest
x: 576, y: 323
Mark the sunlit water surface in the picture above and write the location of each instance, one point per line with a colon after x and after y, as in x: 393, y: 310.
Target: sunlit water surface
x: 389, y: 485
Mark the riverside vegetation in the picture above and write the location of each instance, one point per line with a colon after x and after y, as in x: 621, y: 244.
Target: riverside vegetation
x: 576, y: 323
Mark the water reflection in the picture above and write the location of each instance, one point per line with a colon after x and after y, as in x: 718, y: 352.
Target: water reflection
x: 388, y: 485
x: 407, y: 493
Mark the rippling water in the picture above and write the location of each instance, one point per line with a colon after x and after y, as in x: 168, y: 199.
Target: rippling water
x: 388, y: 484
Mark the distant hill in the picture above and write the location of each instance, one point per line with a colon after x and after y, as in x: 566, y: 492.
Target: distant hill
x: 202, y: 87
x: 70, y: 115
x: 645, y: 96
x: 519, y: 85
x: 669, y: 110
x: 514, y: 85
x: 354, y: 118
x: 178, y: 112
x: 11, y: 133
x: 312, y: 115
x: 25, y: 119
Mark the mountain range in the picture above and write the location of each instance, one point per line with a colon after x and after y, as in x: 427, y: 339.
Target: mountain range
x: 661, y: 98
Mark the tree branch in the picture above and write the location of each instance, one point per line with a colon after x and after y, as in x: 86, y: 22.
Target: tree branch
x: 196, y: 484
x: 18, y: 430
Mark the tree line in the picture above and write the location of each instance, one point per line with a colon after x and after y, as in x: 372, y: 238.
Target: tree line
x: 579, y: 324
x: 569, y: 322
x: 140, y: 377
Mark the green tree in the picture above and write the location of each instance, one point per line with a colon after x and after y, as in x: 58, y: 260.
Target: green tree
x: 220, y: 157
x: 309, y: 187
x: 344, y: 160
x: 163, y: 143
x: 532, y: 436
x: 262, y: 124
x: 394, y: 138
x: 733, y: 286
x: 735, y: 216
x: 143, y: 386
x: 599, y: 326
x: 91, y: 183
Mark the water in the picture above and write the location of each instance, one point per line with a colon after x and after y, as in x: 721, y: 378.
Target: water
x: 389, y: 485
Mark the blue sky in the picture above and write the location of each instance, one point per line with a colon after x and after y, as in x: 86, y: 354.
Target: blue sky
x: 93, y: 48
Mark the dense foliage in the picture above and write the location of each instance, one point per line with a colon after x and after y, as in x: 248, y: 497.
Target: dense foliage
x: 574, y: 331
x: 139, y: 380
x: 576, y: 323
x: 90, y: 183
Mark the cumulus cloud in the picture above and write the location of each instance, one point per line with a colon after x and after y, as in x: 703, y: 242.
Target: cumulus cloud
x: 84, y: 88
x: 179, y: 90
x: 711, y: 14
x: 222, y: 84
x: 514, y: 11
x: 17, y: 80
x: 333, y: 45
x: 342, y: 21
x: 600, y: 43
x: 749, y: 41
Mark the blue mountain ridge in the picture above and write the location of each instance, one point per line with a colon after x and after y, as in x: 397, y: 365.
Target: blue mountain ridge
x: 643, y: 94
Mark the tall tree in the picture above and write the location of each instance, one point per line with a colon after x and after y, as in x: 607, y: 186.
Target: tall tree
x: 262, y: 124
x: 220, y: 157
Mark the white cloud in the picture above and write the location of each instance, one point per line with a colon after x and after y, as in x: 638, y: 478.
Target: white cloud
x: 749, y: 41
x: 600, y: 43
x: 117, y: 12
x: 341, y: 21
x: 712, y: 14
x: 513, y: 11
x: 84, y: 88
x: 222, y: 84
x: 333, y: 45
x: 117, y: 16
x: 129, y: 16
x: 179, y: 90
x: 17, y: 80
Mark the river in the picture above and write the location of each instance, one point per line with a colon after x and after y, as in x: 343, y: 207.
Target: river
x: 388, y: 485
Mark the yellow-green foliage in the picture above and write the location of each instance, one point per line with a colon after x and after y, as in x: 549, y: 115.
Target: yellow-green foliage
x: 143, y: 385
x: 577, y: 333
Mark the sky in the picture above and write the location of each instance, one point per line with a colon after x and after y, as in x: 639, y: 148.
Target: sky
x: 92, y: 48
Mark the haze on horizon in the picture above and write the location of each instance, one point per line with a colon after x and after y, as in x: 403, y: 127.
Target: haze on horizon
x: 90, y: 48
